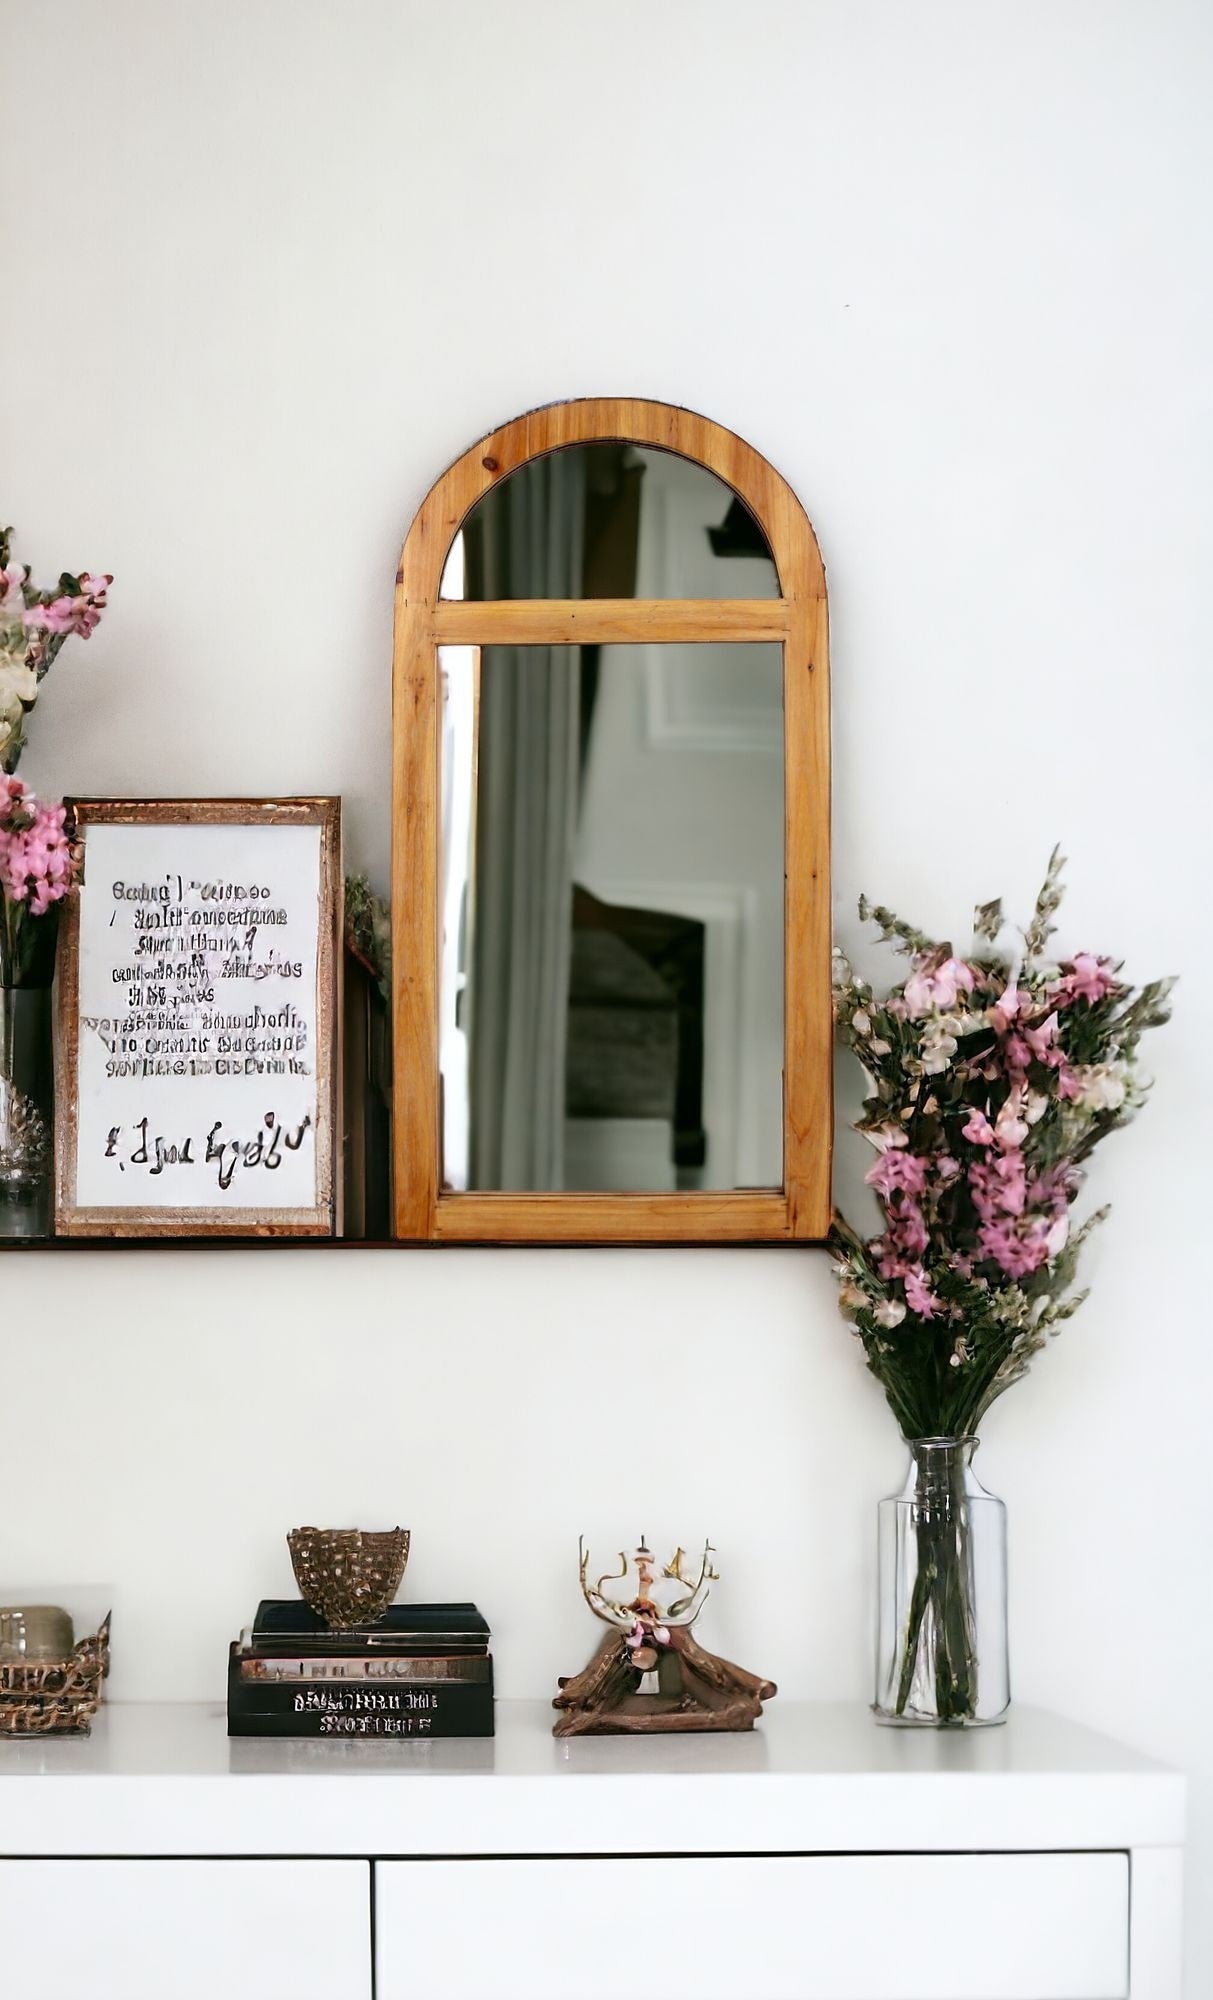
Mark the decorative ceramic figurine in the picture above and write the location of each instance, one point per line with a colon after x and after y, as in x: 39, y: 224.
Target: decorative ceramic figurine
x: 649, y: 1673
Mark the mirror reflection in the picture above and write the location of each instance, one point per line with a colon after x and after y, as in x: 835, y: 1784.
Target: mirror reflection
x: 612, y: 917
x: 610, y: 520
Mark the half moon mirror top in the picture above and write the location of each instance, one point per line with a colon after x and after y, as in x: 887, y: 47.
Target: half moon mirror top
x: 610, y: 520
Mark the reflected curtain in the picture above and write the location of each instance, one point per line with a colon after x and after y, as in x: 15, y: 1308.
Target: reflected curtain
x: 530, y: 544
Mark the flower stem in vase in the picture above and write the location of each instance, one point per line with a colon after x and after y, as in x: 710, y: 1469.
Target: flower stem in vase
x: 930, y: 1572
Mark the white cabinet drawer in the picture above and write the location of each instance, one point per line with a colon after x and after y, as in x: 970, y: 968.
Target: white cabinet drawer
x: 836, y: 1927
x: 185, y: 1930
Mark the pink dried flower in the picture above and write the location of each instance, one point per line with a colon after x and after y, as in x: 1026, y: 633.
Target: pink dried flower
x: 1043, y: 1042
x: 998, y: 1186
x: 1010, y: 1126
x: 895, y: 1169
x: 12, y: 792
x: 37, y: 864
x: 67, y: 613
x: 1055, y: 1188
x: 1086, y: 978
x: 1016, y: 1054
x: 936, y: 984
x: 904, y: 1240
x: 1006, y: 1007
x: 977, y: 1128
x: 57, y: 616
x: 1018, y: 1248
x: 919, y: 1296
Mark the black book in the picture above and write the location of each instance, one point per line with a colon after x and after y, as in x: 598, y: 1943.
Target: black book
x: 353, y: 1710
x: 359, y: 1729
x: 276, y: 1667
x: 290, y: 1625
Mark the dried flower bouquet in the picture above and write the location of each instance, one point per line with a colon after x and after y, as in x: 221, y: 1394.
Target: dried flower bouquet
x: 35, y: 623
x: 993, y: 1078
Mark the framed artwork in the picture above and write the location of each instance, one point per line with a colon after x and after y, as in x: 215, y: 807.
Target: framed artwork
x: 196, y: 1020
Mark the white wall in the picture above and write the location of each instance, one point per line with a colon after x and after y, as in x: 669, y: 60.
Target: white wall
x: 269, y: 267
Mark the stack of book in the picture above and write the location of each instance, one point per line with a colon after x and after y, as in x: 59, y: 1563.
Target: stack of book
x: 422, y: 1670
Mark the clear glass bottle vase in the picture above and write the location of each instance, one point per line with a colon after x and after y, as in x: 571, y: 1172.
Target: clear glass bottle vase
x: 941, y: 1644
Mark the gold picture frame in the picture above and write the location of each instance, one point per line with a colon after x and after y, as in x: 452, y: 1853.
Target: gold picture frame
x: 320, y: 1216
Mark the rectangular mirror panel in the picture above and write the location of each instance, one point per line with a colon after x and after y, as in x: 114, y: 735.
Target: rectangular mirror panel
x: 612, y: 917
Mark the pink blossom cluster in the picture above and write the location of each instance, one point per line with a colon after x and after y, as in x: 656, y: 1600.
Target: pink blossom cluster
x: 1016, y: 1216
x: 1085, y: 977
x: 48, y: 624
x: 1023, y: 1214
x: 37, y: 860
x: 901, y: 1179
x: 66, y: 613
x: 937, y: 986
x: 58, y: 612
x: 51, y: 616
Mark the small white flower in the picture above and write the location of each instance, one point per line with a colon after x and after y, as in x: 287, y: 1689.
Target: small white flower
x: 850, y: 1298
x: 18, y: 682
x: 880, y: 1048
x: 860, y: 1022
x: 1036, y: 1106
x: 890, y: 1313
x: 884, y: 1136
x: 937, y: 1053
x: 1010, y: 1126
x: 939, y: 1043
x: 1103, y: 1087
x: 18, y: 691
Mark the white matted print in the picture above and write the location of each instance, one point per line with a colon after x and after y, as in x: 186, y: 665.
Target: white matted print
x: 197, y: 1014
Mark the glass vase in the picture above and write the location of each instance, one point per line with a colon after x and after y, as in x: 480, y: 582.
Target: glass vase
x: 26, y: 1110
x: 941, y: 1646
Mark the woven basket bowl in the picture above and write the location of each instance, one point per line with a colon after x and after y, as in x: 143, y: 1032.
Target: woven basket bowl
x: 349, y: 1576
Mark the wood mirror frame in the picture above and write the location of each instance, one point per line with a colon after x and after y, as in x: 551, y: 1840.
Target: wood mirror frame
x: 424, y: 621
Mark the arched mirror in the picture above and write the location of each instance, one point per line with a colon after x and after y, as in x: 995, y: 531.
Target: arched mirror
x: 610, y: 896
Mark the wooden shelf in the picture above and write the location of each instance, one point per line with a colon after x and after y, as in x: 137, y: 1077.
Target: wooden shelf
x: 32, y: 1245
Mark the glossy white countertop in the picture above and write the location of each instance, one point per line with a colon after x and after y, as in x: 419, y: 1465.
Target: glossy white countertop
x: 164, y: 1778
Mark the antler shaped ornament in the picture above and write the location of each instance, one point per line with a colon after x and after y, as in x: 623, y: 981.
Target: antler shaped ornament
x: 644, y: 1608
x: 649, y: 1673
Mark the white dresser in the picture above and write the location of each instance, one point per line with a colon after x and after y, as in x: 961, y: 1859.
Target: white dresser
x: 820, y: 1858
